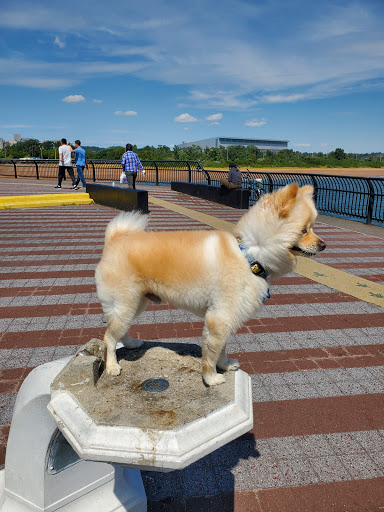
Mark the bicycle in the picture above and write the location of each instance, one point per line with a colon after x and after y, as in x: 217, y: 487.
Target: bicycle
x: 254, y: 185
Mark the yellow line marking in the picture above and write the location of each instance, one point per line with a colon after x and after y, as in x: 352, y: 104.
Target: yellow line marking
x: 192, y: 214
x: 350, y: 284
x: 38, y: 201
x: 36, y: 197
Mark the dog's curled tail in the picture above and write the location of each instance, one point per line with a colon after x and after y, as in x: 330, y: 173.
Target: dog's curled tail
x: 127, y: 221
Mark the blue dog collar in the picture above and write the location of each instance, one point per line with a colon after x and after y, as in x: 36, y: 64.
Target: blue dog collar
x: 256, y: 267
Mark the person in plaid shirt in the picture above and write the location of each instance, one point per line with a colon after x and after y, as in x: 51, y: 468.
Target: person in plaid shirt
x: 130, y: 164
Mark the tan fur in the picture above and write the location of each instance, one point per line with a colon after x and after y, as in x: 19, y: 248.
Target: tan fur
x: 201, y: 271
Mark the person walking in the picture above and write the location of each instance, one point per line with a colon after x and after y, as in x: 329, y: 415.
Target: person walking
x: 80, y: 162
x: 234, y: 177
x: 65, y: 163
x: 131, y: 163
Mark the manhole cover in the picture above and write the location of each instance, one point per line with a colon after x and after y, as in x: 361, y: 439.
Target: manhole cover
x: 155, y: 385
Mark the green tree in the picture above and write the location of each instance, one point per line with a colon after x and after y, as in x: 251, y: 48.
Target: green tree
x: 339, y: 154
x: 111, y: 153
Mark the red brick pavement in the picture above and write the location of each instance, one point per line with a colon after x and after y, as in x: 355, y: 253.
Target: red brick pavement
x: 346, y: 340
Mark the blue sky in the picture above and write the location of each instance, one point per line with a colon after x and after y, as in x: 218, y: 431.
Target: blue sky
x: 167, y: 71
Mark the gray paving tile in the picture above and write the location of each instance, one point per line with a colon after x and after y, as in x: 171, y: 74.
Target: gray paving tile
x: 260, y: 393
x: 277, y: 393
x: 344, y: 443
x: 7, y: 403
x: 302, y: 391
x: 320, y: 383
x: 298, y: 472
x: 378, y: 459
x: 262, y: 473
x: 374, y: 386
x: 283, y: 447
x: 361, y: 466
x: 330, y: 469
x: 370, y: 440
x: 315, y: 445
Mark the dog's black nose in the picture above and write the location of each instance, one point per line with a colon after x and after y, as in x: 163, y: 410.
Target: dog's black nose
x: 322, y: 246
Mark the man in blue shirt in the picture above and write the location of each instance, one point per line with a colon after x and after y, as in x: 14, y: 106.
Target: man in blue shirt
x: 80, y: 162
x: 130, y: 164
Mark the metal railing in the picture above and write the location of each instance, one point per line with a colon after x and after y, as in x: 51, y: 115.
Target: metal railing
x: 355, y: 198
x: 157, y: 172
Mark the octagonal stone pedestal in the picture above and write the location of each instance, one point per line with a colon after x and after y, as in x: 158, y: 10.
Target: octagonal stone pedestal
x: 116, y: 419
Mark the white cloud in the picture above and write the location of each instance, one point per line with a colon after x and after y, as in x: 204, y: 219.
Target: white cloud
x: 302, y: 145
x: 214, y: 117
x: 214, y: 123
x: 340, y: 21
x: 125, y: 113
x: 185, y: 118
x: 59, y: 42
x: 15, y: 126
x: 332, y: 49
x: 283, y: 98
x: 97, y: 101
x: 55, y: 75
x: 234, y: 100
x: 255, y: 122
x: 38, y: 74
x: 74, y: 98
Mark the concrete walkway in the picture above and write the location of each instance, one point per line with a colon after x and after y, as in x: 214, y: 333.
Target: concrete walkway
x: 315, y: 353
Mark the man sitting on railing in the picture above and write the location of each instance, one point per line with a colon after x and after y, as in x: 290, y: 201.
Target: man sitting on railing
x: 130, y: 164
x: 234, y: 177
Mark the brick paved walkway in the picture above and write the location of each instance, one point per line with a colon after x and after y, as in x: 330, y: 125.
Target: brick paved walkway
x: 315, y: 356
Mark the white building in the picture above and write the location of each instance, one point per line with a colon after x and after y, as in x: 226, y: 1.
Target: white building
x: 216, y: 142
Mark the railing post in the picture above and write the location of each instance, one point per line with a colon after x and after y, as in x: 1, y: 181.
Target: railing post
x: 315, y: 187
x: 270, y: 183
x: 157, y: 173
x: 189, y: 172
x: 14, y: 167
x: 207, y: 176
x: 93, y: 170
x: 370, y: 202
x: 37, y: 169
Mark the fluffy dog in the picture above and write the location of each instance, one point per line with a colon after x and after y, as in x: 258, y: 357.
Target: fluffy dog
x: 219, y: 276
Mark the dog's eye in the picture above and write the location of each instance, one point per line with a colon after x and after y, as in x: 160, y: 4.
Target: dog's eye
x: 304, y: 231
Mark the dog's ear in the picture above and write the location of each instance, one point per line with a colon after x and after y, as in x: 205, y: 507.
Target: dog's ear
x: 307, y: 190
x: 286, y: 199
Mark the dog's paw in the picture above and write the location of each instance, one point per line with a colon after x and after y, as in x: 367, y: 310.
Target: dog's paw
x: 131, y: 343
x: 113, y: 370
x: 228, y: 365
x: 214, y: 380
